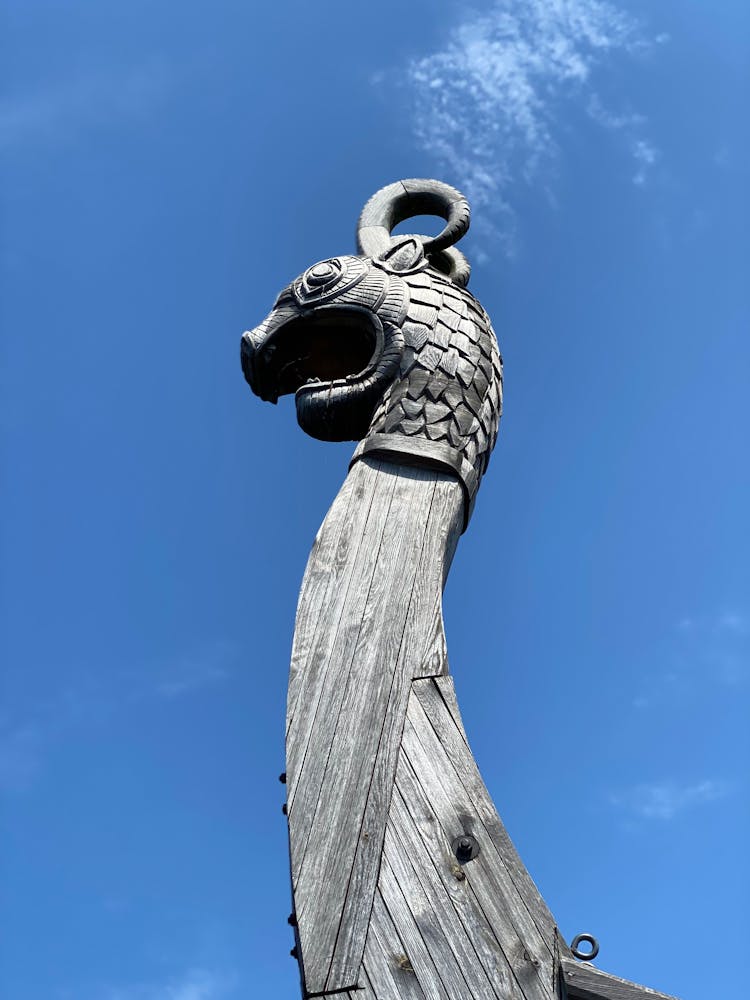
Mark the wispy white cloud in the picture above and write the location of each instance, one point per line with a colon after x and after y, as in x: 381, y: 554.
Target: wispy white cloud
x: 487, y: 105
x: 665, y: 801
x: 645, y: 156
x: 195, y: 984
x: 100, y: 97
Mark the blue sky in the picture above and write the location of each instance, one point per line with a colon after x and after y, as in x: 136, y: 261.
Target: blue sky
x: 166, y: 169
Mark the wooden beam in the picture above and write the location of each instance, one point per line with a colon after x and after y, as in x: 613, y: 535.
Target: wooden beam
x: 585, y: 982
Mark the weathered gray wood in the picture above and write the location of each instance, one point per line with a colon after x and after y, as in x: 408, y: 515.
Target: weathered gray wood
x: 447, y: 692
x: 321, y: 863
x: 435, y: 700
x: 585, y: 982
x: 442, y: 525
x: 344, y: 778
x: 347, y: 530
x: 437, y: 985
x: 386, y: 964
x: 436, y: 848
x: 365, y: 990
x: 426, y: 616
x: 371, y: 688
x: 339, y: 625
x: 528, y: 952
x: 330, y: 558
x: 435, y: 896
x: 435, y: 923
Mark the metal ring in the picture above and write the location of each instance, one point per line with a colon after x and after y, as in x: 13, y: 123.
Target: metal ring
x: 584, y: 956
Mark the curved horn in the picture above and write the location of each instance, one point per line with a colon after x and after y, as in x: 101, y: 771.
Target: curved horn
x: 454, y: 264
x: 404, y: 199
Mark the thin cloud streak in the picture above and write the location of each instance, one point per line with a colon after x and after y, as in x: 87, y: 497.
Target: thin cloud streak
x: 486, y: 106
x: 665, y: 801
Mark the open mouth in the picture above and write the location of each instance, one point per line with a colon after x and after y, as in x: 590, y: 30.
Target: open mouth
x: 315, y: 349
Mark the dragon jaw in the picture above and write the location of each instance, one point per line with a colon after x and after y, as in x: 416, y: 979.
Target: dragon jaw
x: 326, y: 341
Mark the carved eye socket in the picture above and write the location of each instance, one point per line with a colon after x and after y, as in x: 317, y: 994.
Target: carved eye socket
x: 328, y: 279
x: 324, y: 273
x: 320, y: 277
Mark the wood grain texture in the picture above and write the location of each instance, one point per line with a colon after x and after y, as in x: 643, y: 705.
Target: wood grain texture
x: 424, y: 825
x: 437, y: 702
x: 469, y: 810
x: 329, y: 559
x: 585, y: 982
x: 377, y: 621
x: 432, y: 898
x: 386, y: 964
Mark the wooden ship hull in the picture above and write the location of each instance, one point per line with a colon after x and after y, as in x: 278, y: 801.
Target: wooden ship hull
x: 405, y: 883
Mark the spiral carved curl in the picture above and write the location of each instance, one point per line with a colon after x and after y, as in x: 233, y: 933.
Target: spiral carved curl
x: 417, y: 196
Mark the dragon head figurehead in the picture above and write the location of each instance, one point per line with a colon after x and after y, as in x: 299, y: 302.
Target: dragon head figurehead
x: 389, y: 348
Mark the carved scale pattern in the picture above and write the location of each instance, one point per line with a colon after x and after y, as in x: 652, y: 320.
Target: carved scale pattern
x: 450, y: 378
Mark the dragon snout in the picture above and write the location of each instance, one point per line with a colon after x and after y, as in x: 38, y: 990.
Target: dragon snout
x: 249, y: 343
x: 337, y: 361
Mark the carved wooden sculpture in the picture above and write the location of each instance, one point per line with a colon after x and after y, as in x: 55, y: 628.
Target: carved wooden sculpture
x: 405, y: 883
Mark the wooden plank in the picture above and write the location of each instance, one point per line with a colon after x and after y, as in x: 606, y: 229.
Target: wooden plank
x: 585, y: 982
x: 443, y: 532
x: 444, y: 686
x: 447, y: 984
x: 462, y: 934
x: 424, y: 913
x: 328, y: 560
x: 386, y: 964
x: 450, y: 735
x: 365, y: 990
x: 346, y: 744
x: 350, y: 572
x: 442, y: 519
x: 338, y: 627
x: 435, y: 852
x: 529, y: 953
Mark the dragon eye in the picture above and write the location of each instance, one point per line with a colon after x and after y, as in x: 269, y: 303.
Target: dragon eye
x: 328, y: 279
x: 321, y: 277
x: 324, y: 274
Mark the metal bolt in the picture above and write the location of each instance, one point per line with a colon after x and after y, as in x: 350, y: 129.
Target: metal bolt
x: 282, y: 777
x: 284, y: 809
x: 465, y: 848
x: 293, y: 952
x: 292, y: 920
